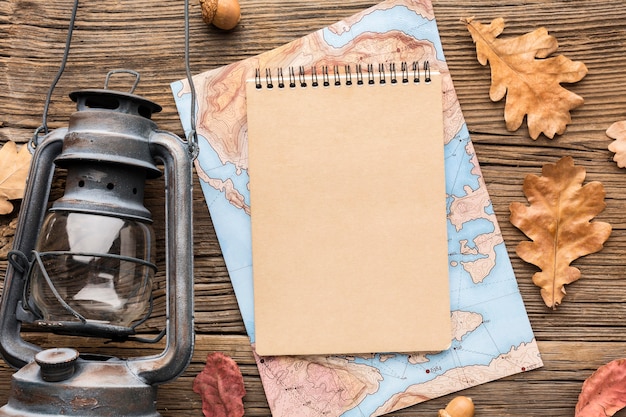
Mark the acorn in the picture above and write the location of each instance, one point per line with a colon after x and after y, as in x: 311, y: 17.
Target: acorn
x: 459, y: 407
x: 223, y: 14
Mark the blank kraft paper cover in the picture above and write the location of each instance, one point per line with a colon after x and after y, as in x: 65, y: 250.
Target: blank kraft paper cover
x: 348, y: 212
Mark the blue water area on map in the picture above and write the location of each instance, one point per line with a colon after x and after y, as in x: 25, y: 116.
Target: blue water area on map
x: 398, y: 18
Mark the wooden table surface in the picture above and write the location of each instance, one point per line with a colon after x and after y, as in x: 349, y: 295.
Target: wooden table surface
x: 586, y: 331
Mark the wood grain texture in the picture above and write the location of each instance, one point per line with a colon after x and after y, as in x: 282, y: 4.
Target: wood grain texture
x: 586, y: 331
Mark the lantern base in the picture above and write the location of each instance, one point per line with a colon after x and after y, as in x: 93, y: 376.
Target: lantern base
x: 96, y: 389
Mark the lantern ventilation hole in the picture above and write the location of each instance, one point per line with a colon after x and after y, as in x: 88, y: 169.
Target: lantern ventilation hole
x: 145, y: 112
x: 102, y: 102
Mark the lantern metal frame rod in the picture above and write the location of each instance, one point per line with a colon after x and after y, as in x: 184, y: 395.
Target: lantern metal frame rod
x: 14, y: 349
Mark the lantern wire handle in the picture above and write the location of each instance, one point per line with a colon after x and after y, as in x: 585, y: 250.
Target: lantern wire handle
x: 192, y: 135
x: 32, y: 144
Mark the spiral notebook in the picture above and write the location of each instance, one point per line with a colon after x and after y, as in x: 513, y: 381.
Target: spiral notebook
x: 348, y: 210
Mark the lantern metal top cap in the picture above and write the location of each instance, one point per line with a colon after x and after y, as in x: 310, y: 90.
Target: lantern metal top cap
x: 114, y: 100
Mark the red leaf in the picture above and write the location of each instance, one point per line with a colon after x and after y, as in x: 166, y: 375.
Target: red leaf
x: 220, y: 384
x: 604, y: 392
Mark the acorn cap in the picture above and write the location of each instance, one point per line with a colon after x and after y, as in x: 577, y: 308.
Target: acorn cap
x: 223, y: 14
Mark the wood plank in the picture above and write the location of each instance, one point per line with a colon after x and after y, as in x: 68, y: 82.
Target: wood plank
x: 586, y: 331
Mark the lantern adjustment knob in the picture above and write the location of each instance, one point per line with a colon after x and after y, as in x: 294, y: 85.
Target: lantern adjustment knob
x: 57, y: 364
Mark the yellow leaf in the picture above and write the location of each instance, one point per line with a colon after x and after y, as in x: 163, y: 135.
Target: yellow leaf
x: 521, y: 70
x: 558, y: 222
x: 14, y: 167
x: 617, y: 131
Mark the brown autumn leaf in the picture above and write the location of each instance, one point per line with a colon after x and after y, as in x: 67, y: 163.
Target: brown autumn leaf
x: 617, y: 131
x: 14, y: 167
x: 604, y: 392
x: 522, y: 70
x: 558, y: 222
x: 220, y: 384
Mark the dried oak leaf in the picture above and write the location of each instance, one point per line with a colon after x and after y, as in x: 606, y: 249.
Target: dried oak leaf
x: 617, y: 131
x: 604, y: 392
x: 521, y: 70
x: 220, y: 384
x: 558, y: 222
x: 14, y: 168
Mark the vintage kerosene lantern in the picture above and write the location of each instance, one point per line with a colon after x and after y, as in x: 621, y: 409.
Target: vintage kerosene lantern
x: 85, y: 266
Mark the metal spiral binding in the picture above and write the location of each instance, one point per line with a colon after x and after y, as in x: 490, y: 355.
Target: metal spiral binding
x: 301, y: 76
x: 314, y: 82
x: 386, y: 73
x: 281, y: 80
x: 370, y: 74
x: 326, y: 83
x: 404, y: 69
x: 292, y: 78
x: 336, y: 75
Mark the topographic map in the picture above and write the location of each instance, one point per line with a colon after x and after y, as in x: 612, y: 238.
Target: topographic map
x: 492, y: 337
